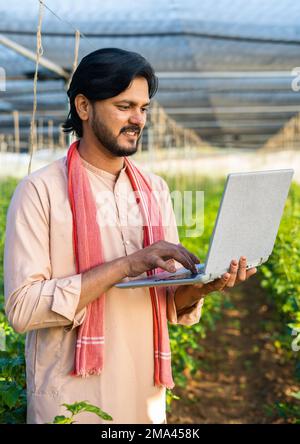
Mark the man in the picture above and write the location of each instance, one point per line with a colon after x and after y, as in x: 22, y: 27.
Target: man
x: 86, y: 339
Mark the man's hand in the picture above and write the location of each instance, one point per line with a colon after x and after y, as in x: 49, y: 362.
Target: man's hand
x: 188, y: 295
x: 159, y: 255
x: 237, y: 273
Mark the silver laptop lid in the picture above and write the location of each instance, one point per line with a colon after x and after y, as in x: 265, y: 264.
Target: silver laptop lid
x: 248, y: 218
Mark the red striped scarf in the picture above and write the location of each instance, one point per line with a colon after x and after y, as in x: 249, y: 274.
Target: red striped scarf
x: 88, y: 253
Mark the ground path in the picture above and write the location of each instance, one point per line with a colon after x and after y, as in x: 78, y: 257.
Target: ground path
x: 241, y: 372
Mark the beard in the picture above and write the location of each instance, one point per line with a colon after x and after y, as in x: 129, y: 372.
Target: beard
x: 110, y: 142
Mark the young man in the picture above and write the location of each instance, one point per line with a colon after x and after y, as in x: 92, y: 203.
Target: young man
x: 67, y: 245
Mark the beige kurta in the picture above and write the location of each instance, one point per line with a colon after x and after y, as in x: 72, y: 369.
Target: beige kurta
x: 42, y: 291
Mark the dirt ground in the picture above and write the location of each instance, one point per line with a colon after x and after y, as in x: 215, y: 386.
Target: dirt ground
x: 242, y: 374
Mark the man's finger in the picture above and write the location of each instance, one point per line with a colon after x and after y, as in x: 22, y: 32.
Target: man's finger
x: 223, y: 281
x: 171, y: 264
x: 184, y: 260
x: 233, y: 273
x: 251, y: 272
x: 190, y: 256
x: 217, y: 285
x: 242, y: 269
x: 173, y: 252
x: 194, y: 258
x: 188, y: 263
x: 165, y: 265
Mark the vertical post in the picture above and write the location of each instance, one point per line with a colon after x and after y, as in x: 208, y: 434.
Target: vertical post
x: 150, y: 147
x: 16, y: 131
x: 32, y: 137
x: 10, y: 142
x: 62, y: 140
x: 50, y: 134
x: 3, y: 144
x: 40, y: 133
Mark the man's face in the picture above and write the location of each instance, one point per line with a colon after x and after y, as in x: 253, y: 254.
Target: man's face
x: 118, y: 122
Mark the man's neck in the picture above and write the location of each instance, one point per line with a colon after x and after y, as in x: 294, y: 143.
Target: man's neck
x: 100, y: 158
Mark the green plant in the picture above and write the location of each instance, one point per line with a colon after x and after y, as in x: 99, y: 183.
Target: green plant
x: 12, y: 362
x: 12, y: 389
x: 79, y: 407
x: 281, y: 274
x: 186, y: 340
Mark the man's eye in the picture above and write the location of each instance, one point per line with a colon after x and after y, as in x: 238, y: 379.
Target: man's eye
x: 123, y: 107
x: 145, y: 109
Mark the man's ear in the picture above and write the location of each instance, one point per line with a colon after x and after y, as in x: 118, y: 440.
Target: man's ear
x: 82, y: 105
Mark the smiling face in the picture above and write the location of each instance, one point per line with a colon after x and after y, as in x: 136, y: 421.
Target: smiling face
x: 117, y: 122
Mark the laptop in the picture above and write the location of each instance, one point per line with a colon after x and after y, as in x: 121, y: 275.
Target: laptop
x: 246, y: 225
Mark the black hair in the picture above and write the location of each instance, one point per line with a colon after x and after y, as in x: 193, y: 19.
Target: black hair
x: 103, y: 74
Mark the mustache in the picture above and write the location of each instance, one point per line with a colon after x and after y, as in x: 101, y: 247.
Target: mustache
x: 131, y: 128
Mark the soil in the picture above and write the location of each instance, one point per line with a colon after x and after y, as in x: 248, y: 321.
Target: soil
x: 242, y: 374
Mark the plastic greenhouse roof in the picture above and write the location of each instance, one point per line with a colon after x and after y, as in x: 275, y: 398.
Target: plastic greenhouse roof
x: 224, y: 66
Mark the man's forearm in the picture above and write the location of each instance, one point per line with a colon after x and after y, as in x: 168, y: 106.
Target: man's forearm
x: 186, y: 296
x: 99, y: 279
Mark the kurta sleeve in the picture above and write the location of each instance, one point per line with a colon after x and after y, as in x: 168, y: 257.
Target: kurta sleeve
x: 33, y: 299
x: 188, y: 315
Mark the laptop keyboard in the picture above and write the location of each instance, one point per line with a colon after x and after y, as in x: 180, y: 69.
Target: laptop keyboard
x: 185, y: 275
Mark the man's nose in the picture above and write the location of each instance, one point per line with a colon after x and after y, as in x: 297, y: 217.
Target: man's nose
x: 137, y: 118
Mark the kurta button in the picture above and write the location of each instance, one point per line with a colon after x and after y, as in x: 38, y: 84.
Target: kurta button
x: 127, y: 242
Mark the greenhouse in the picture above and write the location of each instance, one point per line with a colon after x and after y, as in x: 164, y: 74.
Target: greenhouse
x: 228, y: 101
